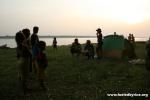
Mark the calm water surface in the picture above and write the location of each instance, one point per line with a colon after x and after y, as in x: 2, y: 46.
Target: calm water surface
x: 61, y: 41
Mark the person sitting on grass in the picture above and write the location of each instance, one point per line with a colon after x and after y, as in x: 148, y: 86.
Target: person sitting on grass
x: 76, y: 48
x: 89, y: 50
x: 42, y: 63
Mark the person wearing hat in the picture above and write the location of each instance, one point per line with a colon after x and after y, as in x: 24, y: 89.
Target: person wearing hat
x: 100, y: 43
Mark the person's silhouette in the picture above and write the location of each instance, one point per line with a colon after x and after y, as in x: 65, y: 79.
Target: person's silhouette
x: 35, y: 47
x: 100, y: 43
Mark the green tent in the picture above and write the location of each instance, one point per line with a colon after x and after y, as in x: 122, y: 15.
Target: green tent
x: 116, y: 46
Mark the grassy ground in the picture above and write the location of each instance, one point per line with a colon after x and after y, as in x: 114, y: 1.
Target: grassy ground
x: 72, y: 78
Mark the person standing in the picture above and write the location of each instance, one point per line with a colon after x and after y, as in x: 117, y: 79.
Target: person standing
x: 148, y: 55
x: 99, y: 43
x: 132, y: 42
x: 24, y: 56
x: 42, y: 64
x: 129, y: 37
x: 55, y: 43
x: 132, y: 38
x: 35, y: 47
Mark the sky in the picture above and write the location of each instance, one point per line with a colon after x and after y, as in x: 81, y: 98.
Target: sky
x: 76, y: 17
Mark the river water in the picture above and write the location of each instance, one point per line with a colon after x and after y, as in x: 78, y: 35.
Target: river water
x: 60, y: 41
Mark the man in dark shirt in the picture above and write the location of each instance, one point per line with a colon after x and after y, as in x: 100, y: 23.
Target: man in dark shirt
x: 34, y: 36
x: 35, y: 47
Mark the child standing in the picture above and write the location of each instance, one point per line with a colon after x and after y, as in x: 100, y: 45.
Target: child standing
x: 42, y: 63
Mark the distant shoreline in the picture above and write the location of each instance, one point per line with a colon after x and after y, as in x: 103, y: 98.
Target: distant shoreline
x: 68, y: 36
x: 62, y: 36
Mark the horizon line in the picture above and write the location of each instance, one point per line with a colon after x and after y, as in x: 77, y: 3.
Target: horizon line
x: 52, y: 36
x: 60, y: 36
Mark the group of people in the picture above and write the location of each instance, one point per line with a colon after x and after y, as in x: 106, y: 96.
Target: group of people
x: 31, y: 57
x: 88, y: 50
x: 131, y: 38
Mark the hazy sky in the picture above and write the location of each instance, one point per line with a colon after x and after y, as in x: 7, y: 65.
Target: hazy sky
x: 76, y: 17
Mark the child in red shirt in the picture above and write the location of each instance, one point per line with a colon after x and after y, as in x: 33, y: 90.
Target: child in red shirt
x: 42, y: 63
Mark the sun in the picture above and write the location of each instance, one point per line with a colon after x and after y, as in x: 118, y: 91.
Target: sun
x: 130, y: 18
x: 127, y: 11
x: 130, y: 12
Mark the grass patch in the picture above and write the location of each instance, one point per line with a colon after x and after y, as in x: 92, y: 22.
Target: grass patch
x: 76, y: 78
